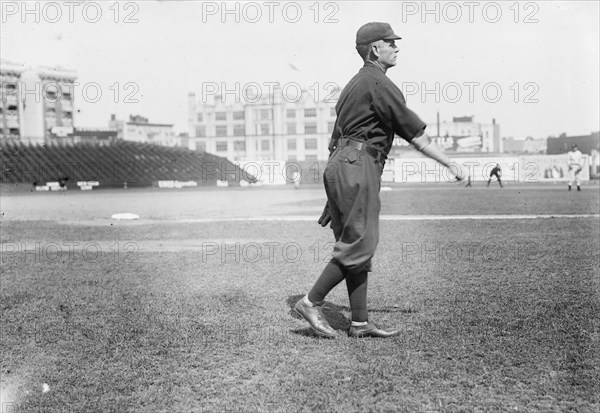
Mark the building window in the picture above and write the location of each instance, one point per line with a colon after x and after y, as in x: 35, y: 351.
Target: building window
x: 330, y: 126
x: 291, y: 144
x: 310, y: 144
x: 265, y: 114
x: 220, y: 115
x: 221, y: 146
x: 311, y: 157
x: 239, y: 146
x: 265, y: 145
x: 332, y: 112
x: 239, y: 115
x: 264, y: 129
x: 221, y: 130
x: 200, y: 131
x: 239, y: 130
x: 200, y: 117
x: 292, y: 158
x: 291, y: 128
x: 50, y: 94
x: 310, y: 113
x: 310, y: 128
x: 201, y: 146
x: 291, y: 113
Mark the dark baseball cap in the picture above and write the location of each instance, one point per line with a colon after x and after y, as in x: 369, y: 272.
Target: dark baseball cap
x: 373, y: 31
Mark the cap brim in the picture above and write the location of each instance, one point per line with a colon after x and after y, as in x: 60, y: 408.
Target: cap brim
x: 392, y: 37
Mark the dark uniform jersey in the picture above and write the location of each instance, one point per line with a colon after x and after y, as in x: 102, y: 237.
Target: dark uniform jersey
x: 372, y: 108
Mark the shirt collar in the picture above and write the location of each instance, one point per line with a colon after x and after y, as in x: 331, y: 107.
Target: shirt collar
x: 370, y: 63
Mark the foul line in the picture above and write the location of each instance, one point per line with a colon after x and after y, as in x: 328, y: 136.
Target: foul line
x: 311, y: 218
x: 305, y: 218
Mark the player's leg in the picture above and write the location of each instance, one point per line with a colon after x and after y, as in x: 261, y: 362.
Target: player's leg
x: 356, y: 195
x: 311, y: 305
x: 499, y: 181
x: 571, y: 176
x: 577, y: 171
x: 331, y: 276
x: 357, y: 252
x: 357, y: 294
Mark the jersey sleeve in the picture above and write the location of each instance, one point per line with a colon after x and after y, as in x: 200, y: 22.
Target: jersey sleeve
x: 390, y: 105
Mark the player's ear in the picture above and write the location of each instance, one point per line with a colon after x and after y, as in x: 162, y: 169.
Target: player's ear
x: 375, y: 49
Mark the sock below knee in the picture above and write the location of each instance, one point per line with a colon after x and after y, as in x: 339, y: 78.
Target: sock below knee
x: 331, y: 276
x: 357, y: 293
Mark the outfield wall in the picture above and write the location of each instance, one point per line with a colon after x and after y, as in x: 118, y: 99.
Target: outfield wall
x: 527, y: 169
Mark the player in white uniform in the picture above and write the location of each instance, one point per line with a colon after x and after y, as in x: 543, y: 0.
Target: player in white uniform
x: 575, y: 161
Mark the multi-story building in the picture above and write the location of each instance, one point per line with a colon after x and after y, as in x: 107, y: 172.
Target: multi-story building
x: 57, y: 87
x: 139, y: 129
x: 10, y: 107
x: 272, y: 128
x: 463, y: 134
x: 37, y: 103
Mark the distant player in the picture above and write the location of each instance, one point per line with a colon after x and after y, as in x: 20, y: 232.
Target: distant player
x: 296, y: 178
x: 497, y: 172
x: 575, y: 161
x: 468, y: 185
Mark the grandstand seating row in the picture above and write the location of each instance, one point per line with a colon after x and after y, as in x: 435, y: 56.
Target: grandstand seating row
x: 136, y: 164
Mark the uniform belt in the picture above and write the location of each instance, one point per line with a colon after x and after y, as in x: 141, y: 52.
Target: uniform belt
x: 378, y: 155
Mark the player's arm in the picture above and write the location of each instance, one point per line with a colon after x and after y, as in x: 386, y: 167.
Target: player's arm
x: 428, y: 148
x: 390, y: 105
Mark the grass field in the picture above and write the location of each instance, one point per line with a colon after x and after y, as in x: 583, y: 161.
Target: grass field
x: 171, y: 313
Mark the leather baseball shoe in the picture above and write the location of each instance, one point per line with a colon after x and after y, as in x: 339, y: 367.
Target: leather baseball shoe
x: 314, y: 315
x: 371, y: 330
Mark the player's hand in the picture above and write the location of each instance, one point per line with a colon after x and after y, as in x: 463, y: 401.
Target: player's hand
x: 325, y: 216
x: 455, y: 170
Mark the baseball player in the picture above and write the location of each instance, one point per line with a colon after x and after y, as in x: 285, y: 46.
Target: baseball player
x: 296, y: 178
x: 370, y: 110
x: 575, y: 161
x: 497, y: 172
x: 468, y: 185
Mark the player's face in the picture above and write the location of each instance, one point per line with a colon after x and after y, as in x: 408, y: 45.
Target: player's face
x: 388, y: 52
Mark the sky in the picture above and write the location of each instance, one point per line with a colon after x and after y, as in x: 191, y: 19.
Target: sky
x: 531, y: 66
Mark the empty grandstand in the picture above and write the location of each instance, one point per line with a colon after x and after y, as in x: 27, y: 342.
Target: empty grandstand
x: 120, y: 164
